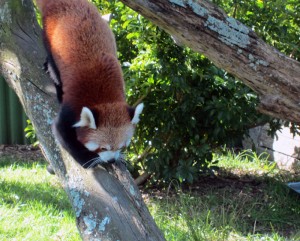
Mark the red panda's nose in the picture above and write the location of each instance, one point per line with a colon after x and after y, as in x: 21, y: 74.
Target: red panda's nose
x: 113, y: 160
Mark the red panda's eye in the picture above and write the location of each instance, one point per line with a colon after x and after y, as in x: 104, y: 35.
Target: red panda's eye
x: 103, y: 149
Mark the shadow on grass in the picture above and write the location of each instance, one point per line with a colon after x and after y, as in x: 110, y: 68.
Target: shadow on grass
x: 246, y: 204
x: 7, y: 161
x: 16, y: 192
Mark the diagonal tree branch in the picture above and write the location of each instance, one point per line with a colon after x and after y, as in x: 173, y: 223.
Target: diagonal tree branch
x: 106, y: 202
x: 232, y: 46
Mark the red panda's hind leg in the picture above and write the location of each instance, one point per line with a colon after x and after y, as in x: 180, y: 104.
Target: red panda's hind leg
x: 51, y: 68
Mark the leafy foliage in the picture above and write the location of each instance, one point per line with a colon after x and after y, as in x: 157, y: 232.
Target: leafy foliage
x: 31, y: 134
x: 191, y: 105
x: 277, y: 22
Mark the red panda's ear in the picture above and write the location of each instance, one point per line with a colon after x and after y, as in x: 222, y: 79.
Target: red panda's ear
x: 138, y: 110
x: 107, y: 17
x: 86, y: 119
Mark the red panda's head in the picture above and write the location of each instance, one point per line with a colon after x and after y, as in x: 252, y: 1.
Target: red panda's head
x: 107, y: 129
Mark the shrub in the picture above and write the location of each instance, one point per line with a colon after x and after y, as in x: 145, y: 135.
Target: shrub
x: 191, y: 106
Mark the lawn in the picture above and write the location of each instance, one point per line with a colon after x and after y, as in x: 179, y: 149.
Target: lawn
x: 33, y: 206
x: 245, y: 199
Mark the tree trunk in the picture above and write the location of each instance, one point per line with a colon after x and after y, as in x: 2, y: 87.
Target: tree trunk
x: 232, y: 46
x: 107, y: 203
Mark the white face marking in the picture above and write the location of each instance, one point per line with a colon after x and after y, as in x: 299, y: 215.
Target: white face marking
x: 117, y: 155
x: 92, y: 146
x: 106, y: 147
x: 109, y: 155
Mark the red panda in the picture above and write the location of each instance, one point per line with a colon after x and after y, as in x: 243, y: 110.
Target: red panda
x: 94, y: 122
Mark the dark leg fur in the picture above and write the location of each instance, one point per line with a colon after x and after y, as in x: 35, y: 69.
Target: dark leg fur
x: 57, y: 82
x: 66, y: 135
x: 50, y: 169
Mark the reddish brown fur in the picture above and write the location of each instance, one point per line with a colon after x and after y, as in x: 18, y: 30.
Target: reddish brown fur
x: 83, y: 48
x: 94, y: 122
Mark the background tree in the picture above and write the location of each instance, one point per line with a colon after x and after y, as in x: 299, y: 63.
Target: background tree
x: 205, y: 28
x: 192, y: 106
x: 106, y: 202
x: 229, y: 44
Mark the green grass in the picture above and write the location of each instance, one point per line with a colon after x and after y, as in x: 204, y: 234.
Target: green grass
x: 223, y: 215
x: 32, y: 204
x: 246, y: 200
x: 247, y: 162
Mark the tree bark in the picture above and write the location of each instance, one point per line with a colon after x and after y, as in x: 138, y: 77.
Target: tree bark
x: 232, y: 46
x: 106, y: 202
